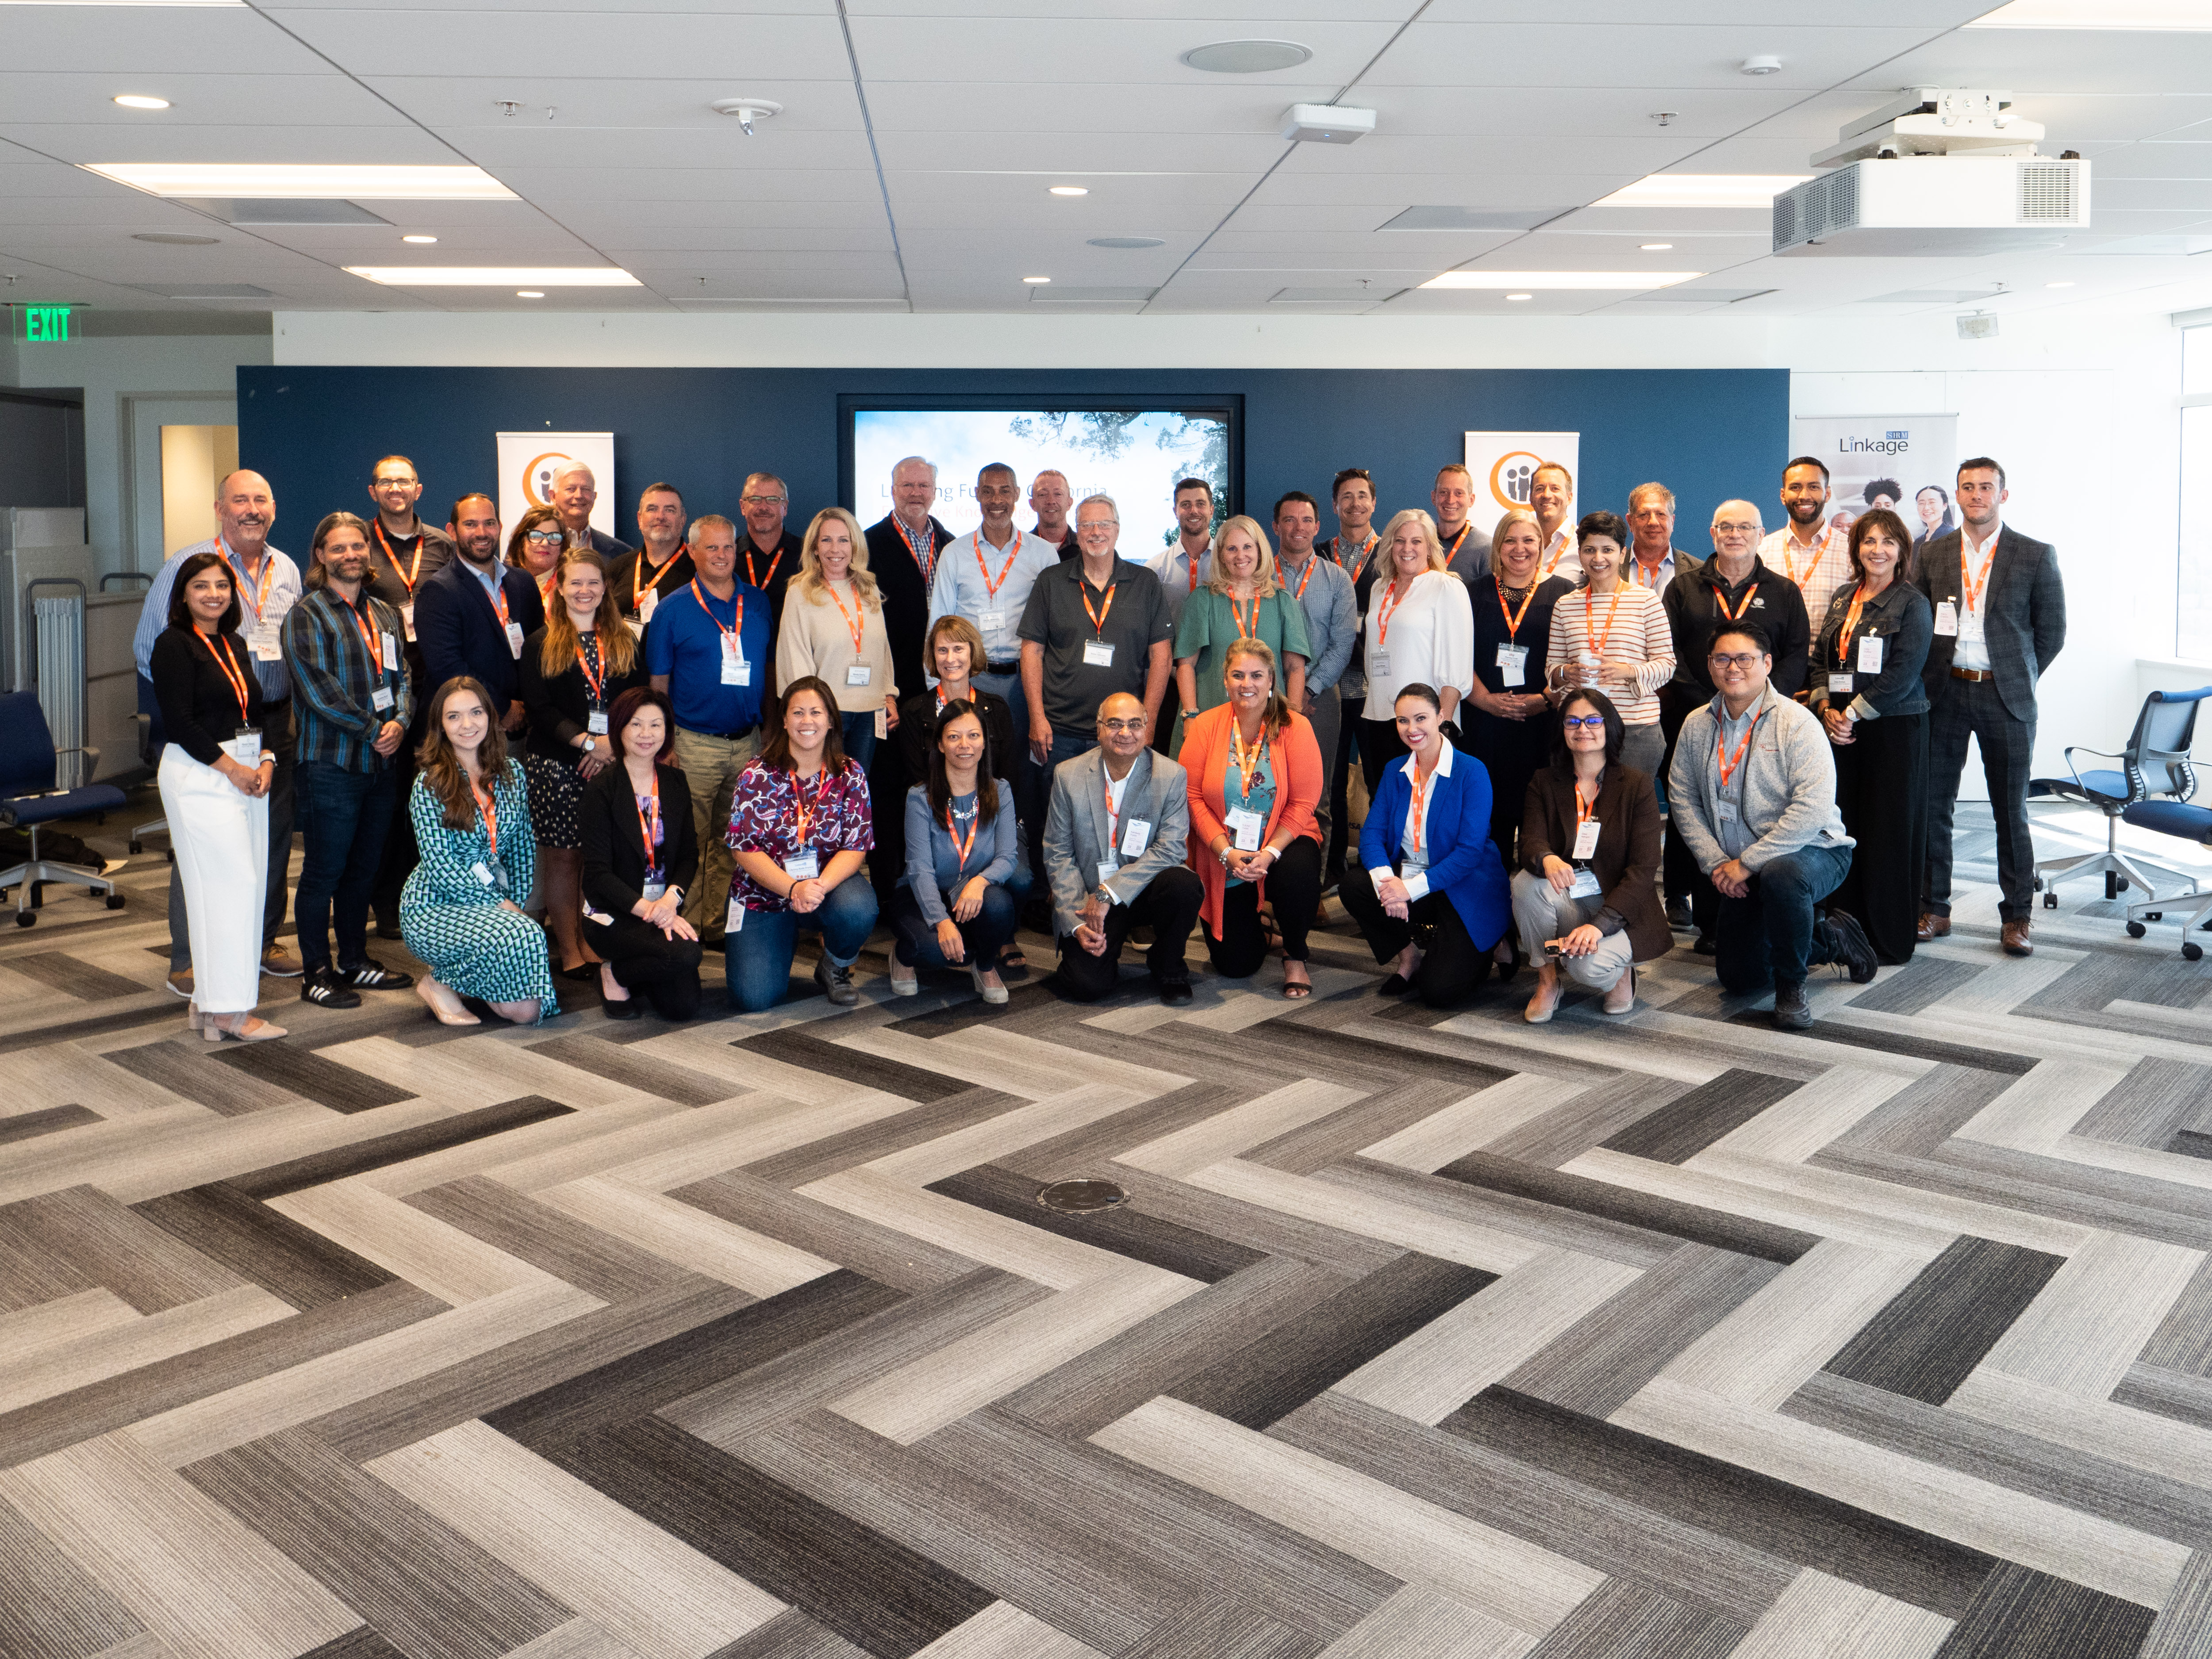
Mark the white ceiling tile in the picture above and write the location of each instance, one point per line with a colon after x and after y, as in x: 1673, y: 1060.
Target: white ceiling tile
x: 1126, y: 192
x: 552, y: 44
x: 1219, y: 105
x: 175, y: 39
x: 605, y: 221
x: 676, y: 245
x: 1747, y: 18
x: 395, y: 144
x: 656, y: 149
x: 2031, y: 61
x: 2161, y: 160
x: 1632, y: 57
x: 457, y: 103
x: 551, y: 186
x: 80, y: 99
x: 1079, y: 53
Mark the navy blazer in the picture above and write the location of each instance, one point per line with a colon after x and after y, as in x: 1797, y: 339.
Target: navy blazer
x: 1465, y: 865
x: 2024, y: 623
x: 459, y: 631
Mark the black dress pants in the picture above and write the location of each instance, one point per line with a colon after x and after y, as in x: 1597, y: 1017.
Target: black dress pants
x: 1965, y: 710
x: 1882, y: 786
x: 1452, y: 963
x: 1169, y: 906
x: 648, y: 963
x: 1293, y: 891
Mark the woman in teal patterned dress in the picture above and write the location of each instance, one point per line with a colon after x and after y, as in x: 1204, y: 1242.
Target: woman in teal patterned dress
x: 458, y: 911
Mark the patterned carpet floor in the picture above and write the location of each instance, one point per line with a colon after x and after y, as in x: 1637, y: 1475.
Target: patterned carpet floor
x: 1436, y: 1336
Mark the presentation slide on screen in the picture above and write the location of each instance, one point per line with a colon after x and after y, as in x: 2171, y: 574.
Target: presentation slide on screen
x: 1134, y: 456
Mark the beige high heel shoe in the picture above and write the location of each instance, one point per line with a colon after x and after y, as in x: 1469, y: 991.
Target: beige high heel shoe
x: 248, y: 1030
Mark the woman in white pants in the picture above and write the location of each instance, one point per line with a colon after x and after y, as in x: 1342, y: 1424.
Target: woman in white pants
x: 215, y: 792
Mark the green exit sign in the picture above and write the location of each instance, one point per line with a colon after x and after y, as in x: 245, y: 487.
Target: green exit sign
x: 47, y: 324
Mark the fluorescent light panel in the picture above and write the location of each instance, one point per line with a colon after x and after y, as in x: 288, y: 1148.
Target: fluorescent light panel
x: 386, y: 184
x: 1502, y: 281
x: 494, y: 276
x: 2172, y: 14
x: 1750, y: 189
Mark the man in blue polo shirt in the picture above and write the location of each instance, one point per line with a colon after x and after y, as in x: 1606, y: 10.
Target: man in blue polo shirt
x: 708, y: 649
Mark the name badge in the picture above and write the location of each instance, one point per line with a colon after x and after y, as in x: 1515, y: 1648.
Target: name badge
x: 391, y: 650
x: 652, y: 891
x: 1106, y: 869
x: 647, y: 606
x: 1245, y: 827
x: 883, y: 724
x: 1946, y: 618
x: 265, y: 643
x: 1586, y: 838
x: 1378, y: 664
x: 1871, y: 655
x: 514, y: 639
x: 1586, y: 885
x: 858, y: 674
x: 1136, y: 835
x: 407, y: 619
x: 380, y: 699
x: 596, y: 722
x: 1727, y: 811
x: 1097, y: 653
x: 991, y: 620
x: 734, y: 920
x: 481, y: 871
x: 736, y: 670
x: 1841, y: 685
x: 803, y: 866
x: 245, y: 747
x: 1513, y: 665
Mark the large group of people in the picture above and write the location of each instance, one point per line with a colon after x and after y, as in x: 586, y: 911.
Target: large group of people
x: 541, y: 754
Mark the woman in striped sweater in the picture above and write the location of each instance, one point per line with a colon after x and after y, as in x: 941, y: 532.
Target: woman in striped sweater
x: 1612, y: 636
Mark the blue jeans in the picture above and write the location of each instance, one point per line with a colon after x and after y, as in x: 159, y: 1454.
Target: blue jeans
x: 860, y: 736
x: 982, y: 937
x: 757, y: 957
x: 1771, y: 936
x: 343, y: 816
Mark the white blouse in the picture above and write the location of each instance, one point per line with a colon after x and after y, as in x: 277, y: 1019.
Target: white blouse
x: 1430, y: 641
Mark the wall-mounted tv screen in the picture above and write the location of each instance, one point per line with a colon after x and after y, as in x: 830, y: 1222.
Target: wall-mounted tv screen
x: 1133, y: 454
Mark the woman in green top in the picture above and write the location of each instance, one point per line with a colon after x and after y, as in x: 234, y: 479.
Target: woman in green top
x: 1242, y: 599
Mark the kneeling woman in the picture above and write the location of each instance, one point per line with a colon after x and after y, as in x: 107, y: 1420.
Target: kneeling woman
x: 1589, y: 853
x: 963, y: 845
x: 639, y: 854
x: 798, y: 832
x: 1255, y: 775
x: 1430, y: 894
x: 459, y: 912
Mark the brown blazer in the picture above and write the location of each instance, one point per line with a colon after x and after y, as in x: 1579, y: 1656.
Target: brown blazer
x: 1627, y: 860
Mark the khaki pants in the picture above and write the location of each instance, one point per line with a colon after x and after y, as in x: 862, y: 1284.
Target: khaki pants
x: 711, y: 766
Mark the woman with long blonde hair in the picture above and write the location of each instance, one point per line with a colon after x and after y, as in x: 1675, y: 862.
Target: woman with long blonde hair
x: 1420, y: 631
x: 1242, y: 599
x: 833, y: 630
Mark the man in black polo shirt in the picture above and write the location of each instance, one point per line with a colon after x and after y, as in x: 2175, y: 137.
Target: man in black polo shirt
x: 903, y: 551
x: 662, y: 563
x: 768, y: 553
x: 404, y: 553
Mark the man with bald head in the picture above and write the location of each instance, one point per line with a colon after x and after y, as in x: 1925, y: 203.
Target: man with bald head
x: 268, y: 586
x: 903, y: 552
x: 1114, y: 840
x: 574, y: 493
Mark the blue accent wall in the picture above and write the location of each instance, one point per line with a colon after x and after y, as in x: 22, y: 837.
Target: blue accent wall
x: 315, y: 432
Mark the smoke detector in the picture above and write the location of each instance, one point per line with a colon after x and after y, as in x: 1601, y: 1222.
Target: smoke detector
x: 747, y: 110
x: 1766, y: 64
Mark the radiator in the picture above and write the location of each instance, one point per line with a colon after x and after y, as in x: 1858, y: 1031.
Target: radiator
x: 59, y: 622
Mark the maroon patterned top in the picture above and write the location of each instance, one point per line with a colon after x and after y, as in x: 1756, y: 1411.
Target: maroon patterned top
x: 764, y: 816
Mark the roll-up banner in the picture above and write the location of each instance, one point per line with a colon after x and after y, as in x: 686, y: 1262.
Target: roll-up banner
x: 528, y: 460
x: 1503, y: 463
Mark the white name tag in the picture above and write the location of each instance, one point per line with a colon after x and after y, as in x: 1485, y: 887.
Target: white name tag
x: 1840, y: 685
x: 734, y: 920
x: 647, y: 606
x: 1378, y: 664
x: 265, y: 643
x: 858, y: 674
x: 883, y: 724
x: 736, y: 670
x: 1245, y: 828
x: 380, y: 699
x: 1946, y: 618
x: 244, y: 748
x: 1106, y: 869
x: 1586, y: 885
x: 1727, y: 811
x: 1586, y: 838
x: 514, y: 639
x: 803, y: 866
x: 1097, y: 653
x: 390, y: 651
x: 1513, y: 665
x: 481, y: 871
x: 407, y: 617
x: 1136, y: 835
x: 991, y: 620
x: 596, y: 722
x: 1871, y: 655
x: 653, y: 891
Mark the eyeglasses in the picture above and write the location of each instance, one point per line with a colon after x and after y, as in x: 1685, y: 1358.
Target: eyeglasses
x: 385, y: 484
x: 763, y: 501
x: 1588, y: 722
x: 1735, y: 528
x: 541, y: 535
x: 1741, y: 660
x: 1134, y: 727
x: 1098, y: 524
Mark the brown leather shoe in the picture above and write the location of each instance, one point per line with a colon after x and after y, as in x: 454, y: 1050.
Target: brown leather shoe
x: 1932, y: 927
x: 2016, y: 941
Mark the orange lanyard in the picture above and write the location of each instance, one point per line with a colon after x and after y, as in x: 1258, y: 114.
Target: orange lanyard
x: 1336, y: 554
x: 1790, y: 555
x: 368, y: 640
x: 1728, y: 764
x: 649, y: 830
x: 729, y: 634
x: 760, y: 582
x: 269, y: 576
x: 1850, y: 626
x: 1513, y: 619
x: 488, y: 804
x: 407, y: 576
x: 1420, y: 798
x: 1559, y: 552
x: 545, y: 584
x: 1975, y: 588
x: 1245, y: 631
x: 1383, y: 612
x: 974, y: 828
x: 804, y: 813
x: 928, y: 560
x: 496, y: 596
x: 595, y: 680
x: 638, y: 589
x: 1637, y: 575
x: 856, y: 626
x: 1310, y: 563
x: 1452, y: 552
x: 1013, y: 552
x: 1583, y: 808
x: 1596, y: 642
x: 1248, y: 761
x: 233, y: 671
x: 1742, y: 604
x: 1097, y: 617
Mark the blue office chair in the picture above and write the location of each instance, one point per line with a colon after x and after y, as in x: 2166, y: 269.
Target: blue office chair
x: 152, y: 740
x: 2184, y: 822
x: 2153, y: 767
x: 28, y: 798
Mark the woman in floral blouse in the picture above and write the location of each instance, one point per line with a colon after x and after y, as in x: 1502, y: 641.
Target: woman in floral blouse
x: 799, y: 824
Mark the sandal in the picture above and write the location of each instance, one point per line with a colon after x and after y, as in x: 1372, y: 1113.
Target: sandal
x: 1296, y: 989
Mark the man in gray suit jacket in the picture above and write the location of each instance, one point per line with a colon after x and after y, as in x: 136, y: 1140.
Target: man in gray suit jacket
x: 1116, y: 837
x: 2000, y: 618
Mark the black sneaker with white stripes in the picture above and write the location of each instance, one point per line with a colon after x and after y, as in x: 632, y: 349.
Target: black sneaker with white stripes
x: 325, y: 989
x: 369, y: 975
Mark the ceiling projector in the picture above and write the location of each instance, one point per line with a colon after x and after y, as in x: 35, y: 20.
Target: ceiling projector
x: 1940, y: 172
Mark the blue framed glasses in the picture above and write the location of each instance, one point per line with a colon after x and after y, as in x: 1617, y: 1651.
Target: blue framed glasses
x: 1588, y: 721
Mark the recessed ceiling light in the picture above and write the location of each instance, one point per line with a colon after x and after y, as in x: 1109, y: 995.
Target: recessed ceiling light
x: 1247, y: 56
x: 419, y: 240
x: 2059, y: 285
x: 1561, y: 279
x: 139, y: 100
x: 1747, y: 189
x: 494, y: 275
x: 2176, y: 14
x: 1070, y: 189
x: 1037, y: 279
x: 528, y: 294
x: 1127, y: 242
x: 1520, y: 296
x: 172, y: 238
x: 305, y: 180
x: 1653, y: 247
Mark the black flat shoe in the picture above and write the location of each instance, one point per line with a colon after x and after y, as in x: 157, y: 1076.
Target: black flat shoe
x: 1505, y: 970
x: 581, y: 970
x: 1175, y: 991
x: 626, y: 1009
x: 1396, y: 986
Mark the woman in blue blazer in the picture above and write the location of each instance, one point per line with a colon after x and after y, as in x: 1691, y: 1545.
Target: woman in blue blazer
x: 1431, y: 894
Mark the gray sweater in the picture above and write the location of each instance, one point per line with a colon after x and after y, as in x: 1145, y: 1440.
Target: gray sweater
x: 1788, y: 782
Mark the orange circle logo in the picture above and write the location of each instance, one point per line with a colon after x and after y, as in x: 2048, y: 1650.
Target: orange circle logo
x: 537, y: 477
x: 1510, y: 478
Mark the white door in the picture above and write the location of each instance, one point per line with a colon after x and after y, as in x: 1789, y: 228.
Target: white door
x: 144, y: 417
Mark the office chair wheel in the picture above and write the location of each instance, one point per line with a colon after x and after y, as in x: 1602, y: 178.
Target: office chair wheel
x: 115, y: 901
x: 137, y: 848
x: 2050, y: 900
x: 2039, y: 883
x: 2192, y: 951
x: 2136, y: 929
x: 2121, y: 884
x: 25, y: 918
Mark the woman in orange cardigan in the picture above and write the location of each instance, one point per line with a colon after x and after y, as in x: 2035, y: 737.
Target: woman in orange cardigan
x: 1254, y: 773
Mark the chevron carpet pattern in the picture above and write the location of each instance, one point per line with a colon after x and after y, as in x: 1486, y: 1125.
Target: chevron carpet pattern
x: 1450, y: 1338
